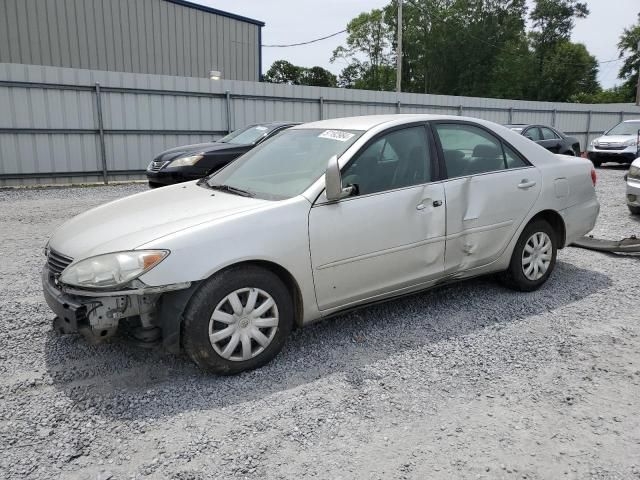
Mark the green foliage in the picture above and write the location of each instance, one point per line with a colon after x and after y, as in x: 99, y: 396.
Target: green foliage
x: 318, y: 77
x: 619, y: 94
x: 472, y: 48
x: 367, y: 36
x: 628, y: 47
x: 569, y: 69
x: 282, y: 71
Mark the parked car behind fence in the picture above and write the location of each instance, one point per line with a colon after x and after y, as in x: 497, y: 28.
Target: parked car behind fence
x: 618, y: 144
x: 550, y: 138
x: 191, y: 162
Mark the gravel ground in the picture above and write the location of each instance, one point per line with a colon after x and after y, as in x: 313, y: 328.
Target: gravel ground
x: 467, y: 381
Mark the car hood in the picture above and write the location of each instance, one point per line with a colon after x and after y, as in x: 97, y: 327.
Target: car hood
x: 195, y: 148
x: 615, y: 138
x: 130, y: 222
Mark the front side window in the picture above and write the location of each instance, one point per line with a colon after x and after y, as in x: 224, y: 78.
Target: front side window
x: 548, y: 134
x: 287, y: 164
x: 470, y: 150
x: 394, y: 160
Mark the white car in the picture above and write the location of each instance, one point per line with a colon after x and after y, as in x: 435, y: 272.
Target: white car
x: 618, y: 144
x: 633, y: 187
x: 325, y: 217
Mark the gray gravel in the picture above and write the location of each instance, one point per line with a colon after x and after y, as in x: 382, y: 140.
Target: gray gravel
x: 467, y: 381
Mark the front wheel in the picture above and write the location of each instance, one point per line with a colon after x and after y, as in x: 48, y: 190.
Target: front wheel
x: 634, y: 210
x: 238, y: 320
x: 533, y: 258
x: 596, y: 163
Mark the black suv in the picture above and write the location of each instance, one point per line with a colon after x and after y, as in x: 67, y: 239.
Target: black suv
x: 191, y: 162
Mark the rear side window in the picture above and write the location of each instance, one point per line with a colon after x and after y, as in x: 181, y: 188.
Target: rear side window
x: 513, y: 159
x: 533, y: 134
x: 548, y: 134
x: 470, y: 150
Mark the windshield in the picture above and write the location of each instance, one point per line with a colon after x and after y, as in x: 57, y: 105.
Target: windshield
x: 246, y: 136
x: 625, y: 128
x: 287, y: 164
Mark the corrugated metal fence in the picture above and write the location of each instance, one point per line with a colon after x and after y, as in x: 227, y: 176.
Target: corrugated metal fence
x: 59, y: 125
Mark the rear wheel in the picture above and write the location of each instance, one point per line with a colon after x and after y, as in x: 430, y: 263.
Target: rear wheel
x: 238, y: 320
x: 634, y: 210
x: 533, y: 258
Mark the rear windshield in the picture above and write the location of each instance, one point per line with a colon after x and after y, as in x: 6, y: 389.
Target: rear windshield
x: 246, y: 136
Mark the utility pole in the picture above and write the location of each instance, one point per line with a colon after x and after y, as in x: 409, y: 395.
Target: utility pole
x: 638, y: 84
x: 399, y: 54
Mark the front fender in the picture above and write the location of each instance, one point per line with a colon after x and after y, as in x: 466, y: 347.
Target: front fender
x: 276, y: 232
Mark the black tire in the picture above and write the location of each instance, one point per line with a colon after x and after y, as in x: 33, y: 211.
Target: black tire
x: 634, y: 210
x: 203, y: 303
x: 155, y: 185
x: 596, y: 163
x: 515, y: 277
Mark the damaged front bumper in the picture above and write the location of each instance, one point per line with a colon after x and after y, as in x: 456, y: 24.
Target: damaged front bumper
x: 97, y: 314
x: 626, y: 245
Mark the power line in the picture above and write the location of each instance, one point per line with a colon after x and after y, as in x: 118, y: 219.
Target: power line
x: 306, y: 43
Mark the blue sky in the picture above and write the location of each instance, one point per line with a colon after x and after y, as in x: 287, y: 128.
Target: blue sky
x: 291, y: 21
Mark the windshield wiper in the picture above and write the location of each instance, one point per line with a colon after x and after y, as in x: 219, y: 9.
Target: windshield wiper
x: 234, y: 190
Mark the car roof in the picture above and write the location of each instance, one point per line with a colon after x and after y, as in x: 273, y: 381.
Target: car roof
x: 525, y: 125
x: 367, y: 122
x: 276, y: 124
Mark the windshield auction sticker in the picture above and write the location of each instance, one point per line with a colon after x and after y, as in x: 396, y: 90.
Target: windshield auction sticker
x: 336, y: 135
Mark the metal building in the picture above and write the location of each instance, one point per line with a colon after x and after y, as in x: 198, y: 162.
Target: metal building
x: 167, y: 37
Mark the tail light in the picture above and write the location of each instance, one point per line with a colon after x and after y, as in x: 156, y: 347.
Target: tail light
x: 594, y: 178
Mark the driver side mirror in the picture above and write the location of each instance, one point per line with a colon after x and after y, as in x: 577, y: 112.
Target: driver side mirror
x: 333, y: 181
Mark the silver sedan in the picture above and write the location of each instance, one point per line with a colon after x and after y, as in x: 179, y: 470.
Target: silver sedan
x: 325, y: 217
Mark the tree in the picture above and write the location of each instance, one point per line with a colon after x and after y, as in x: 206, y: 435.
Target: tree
x: 472, y: 48
x: 628, y: 46
x: 617, y: 94
x: 318, y: 77
x: 450, y: 46
x: 368, y: 37
x: 282, y: 71
x: 569, y: 70
x: 553, y: 22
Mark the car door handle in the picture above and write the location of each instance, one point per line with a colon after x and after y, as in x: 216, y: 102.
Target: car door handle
x: 422, y: 206
x: 524, y: 183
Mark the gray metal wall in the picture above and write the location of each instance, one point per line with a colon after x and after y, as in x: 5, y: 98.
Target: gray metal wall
x: 139, y: 36
x: 51, y: 129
